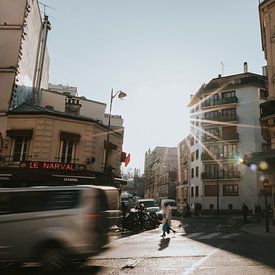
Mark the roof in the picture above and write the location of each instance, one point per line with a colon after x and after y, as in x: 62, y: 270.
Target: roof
x: 229, y: 82
x: 28, y: 109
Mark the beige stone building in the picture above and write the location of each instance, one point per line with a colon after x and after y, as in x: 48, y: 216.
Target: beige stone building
x: 41, y: 135
x: 183, y: 182
x: 160, y: 172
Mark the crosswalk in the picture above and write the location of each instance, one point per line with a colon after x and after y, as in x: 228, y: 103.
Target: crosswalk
x: 213, y: 235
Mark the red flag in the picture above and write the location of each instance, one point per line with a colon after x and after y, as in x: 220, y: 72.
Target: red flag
x: 127, y: 159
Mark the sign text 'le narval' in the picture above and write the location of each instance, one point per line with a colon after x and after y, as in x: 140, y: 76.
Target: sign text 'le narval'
x: 51, y: 166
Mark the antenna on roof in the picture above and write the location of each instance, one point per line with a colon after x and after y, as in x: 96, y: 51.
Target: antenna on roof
x: 222, y: 67
x: 45, y: 7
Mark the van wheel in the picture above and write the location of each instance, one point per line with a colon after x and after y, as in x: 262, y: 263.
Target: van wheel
x: 53, y: 258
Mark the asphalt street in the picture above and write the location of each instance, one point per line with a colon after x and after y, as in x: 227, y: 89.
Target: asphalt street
x: 199, y: 246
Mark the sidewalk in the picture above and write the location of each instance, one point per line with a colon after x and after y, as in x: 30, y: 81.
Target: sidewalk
x: 259, y: 228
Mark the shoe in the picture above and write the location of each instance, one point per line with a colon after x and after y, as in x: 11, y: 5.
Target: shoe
x: 162, y: 235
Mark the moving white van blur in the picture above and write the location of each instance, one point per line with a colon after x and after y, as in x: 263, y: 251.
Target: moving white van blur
x: 53, y: 225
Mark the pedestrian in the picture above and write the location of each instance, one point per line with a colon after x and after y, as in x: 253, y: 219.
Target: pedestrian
x: 199, y: 209
x: 245, y: 211
x: 166, y: 221
x: 258, y: 212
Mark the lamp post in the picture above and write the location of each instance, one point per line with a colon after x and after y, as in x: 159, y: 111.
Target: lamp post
x: 120, y: 95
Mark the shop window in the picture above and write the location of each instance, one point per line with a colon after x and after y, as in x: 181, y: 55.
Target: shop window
x: 211, y: 206
x: 20, y: 148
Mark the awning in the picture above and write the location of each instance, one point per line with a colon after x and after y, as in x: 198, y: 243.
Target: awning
x: 20, y: 133
x: 69, y: 136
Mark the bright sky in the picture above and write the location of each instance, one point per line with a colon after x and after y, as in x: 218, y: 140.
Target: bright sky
x: 157, y: 51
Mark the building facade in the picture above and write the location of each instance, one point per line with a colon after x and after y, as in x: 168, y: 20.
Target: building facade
x: 160, y: 172
x: 225, y: 126
x: 48, y: 129
x: 267, y: 23
x: 183, y: 181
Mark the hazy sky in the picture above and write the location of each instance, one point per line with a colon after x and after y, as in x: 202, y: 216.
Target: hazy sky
x: 158, y: 51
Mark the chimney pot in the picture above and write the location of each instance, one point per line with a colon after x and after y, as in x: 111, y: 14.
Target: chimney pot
x: 245, y: 67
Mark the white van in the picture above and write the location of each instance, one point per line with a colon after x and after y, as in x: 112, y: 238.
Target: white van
x: 54, y: 225
x: 172, y: 204
x: 110, y: 204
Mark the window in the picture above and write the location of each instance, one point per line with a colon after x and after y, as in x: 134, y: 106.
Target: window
x: 213, y: 114
x: 229, y: 170
x: 192, y: 173
x: 211, y: 206
x: 210, y: 190
x: 228, y: 94
x: 230, y: 151
x: 197, y: 154
x: 34, y: 201
x: 67, y: 150
x: 229, y: 112
x: 68, y: 143
x: 197, y: 171
x: 197, y: 191
x: 211, y: 170
x: 263, y: 94
x: 230, y: 206
x: 192, y: 156
x: 20, y: 148
x: 230, y: 190
x: 192, y: 191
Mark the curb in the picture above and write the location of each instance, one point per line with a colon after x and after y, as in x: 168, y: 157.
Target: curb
x: 245, y: 229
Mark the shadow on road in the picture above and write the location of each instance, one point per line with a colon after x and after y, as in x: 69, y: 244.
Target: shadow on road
x: 217, y: 232
x: 164, y: 243
x: 87, y: 270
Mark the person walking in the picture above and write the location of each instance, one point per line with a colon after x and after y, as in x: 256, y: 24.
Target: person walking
x: 166, y: 221
x: 245, y: 211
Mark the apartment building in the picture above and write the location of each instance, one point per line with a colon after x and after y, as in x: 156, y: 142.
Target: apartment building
x: 160, y: 172
x: 183, y: 182
x: 224, y: 126
x: 267, y: 23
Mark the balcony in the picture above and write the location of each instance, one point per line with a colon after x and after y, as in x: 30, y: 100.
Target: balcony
x: 234, y: 136
x: 220, y: 101
x: 207, y: 138
x: 221, y: 118
x: 207, y: 156
x: 224, y: 176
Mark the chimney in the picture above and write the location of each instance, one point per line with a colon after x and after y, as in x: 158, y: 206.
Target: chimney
x: 72, y: 105
x: 245, y: 67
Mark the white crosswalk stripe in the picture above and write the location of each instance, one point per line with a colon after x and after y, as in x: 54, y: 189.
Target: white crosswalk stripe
x: 209, y: 236
x: 214, y: 235
x: 230, y: 236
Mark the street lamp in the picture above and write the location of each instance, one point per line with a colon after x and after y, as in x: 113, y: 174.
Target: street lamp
x: 120, y: 95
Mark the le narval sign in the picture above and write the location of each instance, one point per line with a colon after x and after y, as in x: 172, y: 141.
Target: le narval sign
x: 43, y: 165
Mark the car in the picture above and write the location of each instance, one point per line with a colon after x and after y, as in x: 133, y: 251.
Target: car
x: 53, y: 225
